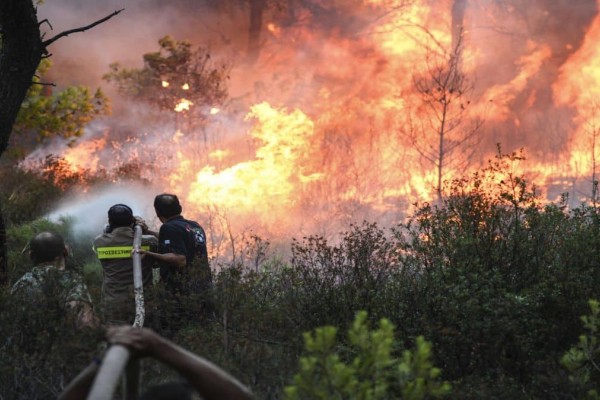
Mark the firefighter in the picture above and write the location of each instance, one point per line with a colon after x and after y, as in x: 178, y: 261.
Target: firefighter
x: 182, y: 247
x: 114, y: 248
x: 184, y: 269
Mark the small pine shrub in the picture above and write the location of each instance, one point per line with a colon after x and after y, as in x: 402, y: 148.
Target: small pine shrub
x: 582, y: 360
x: 366, y: 368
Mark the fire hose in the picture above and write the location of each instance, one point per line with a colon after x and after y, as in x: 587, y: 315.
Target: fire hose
x: 117, y: 356
x: 138, y: 285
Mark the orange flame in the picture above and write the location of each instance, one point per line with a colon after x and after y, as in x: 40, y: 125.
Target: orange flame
x: 501, y: 96
x: 84, y: 155
x: 270, y: 181
x: 331, y: 104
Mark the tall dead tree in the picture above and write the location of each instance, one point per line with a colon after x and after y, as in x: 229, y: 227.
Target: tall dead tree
x: 257, y: 10
x: 441, y: 127
x: 591, y: 142
x: 21, y: 49
x: 459, y: 7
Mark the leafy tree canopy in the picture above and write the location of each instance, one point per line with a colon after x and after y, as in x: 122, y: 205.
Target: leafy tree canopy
x: 63, y: 114
x: 175, y: 72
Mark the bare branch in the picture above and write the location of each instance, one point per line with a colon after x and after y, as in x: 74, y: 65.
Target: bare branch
x: 43, y: 83
x: 82, y: 29
x: 47, y: 22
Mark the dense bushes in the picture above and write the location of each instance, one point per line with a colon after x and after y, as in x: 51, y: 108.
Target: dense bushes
x: 492, y: 278
x: 504, y: 280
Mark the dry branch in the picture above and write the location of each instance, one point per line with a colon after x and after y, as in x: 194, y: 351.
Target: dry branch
x: 48, y: 42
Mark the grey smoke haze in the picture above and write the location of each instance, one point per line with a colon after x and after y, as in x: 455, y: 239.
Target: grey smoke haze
x: 82, y: 58
x: 503, y: 27
x: 89, y: 210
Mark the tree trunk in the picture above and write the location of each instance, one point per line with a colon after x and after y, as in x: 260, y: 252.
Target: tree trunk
x: 3, y: 251
x: 257, y: 8
x: 20, y: 54
x: 458, y: 19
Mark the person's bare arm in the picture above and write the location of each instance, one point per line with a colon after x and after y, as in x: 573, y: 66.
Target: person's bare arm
x: 211, y: 382
x: 79, y: 387
x: 177, y: 260
x: 153, y: 233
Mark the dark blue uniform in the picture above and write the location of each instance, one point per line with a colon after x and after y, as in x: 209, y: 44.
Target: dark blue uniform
x: 184, y: 237
x: 189, y: 295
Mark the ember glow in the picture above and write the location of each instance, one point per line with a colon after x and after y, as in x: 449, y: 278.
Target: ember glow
x: 183, y: 105
x: 329, y: 125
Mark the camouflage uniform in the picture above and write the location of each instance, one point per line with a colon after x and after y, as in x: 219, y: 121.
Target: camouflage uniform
x: 41, y: 280
x: 46, y: 338
x: 50, y: 301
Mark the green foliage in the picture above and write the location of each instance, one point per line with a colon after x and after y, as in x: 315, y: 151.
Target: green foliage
x: 502, y: 278
x: 24, y: 195
x: 61, y: 114
x: 582, y: 359
x: 418, y: 377
x: 361, y: 272
x: 371, y: 371
x: 187, y: 74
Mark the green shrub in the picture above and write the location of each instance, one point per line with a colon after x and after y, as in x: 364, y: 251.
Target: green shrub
x: 366, y: 368
x: 582, y: 359
x: 500, y: 280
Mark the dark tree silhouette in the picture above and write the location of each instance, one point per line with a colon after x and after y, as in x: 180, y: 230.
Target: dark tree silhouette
x: 21, y: 50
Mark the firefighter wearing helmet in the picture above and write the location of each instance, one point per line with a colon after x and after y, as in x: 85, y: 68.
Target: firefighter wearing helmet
x: 113, y: 248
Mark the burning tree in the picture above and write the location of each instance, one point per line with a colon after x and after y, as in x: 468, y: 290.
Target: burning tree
x: 175, y: 78
x: 441, y: 127
x: 256, y: 11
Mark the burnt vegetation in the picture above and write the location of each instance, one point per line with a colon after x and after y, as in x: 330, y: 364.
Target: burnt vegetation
x: 495, y: 280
